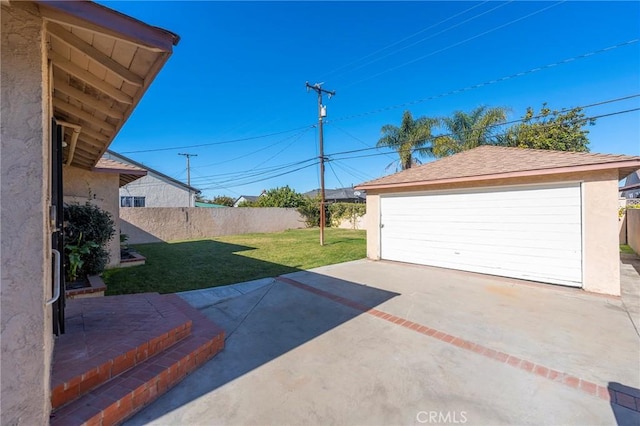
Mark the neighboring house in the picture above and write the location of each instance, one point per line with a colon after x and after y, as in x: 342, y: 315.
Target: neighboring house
x: 340, y: 195
x: 631, y: 187
x: 537, y: 215
x: 72, y: 73
x: 245, y: 199
x: 155, y: 189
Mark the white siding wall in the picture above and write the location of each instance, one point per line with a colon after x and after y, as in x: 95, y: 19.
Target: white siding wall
x: 158, y: 192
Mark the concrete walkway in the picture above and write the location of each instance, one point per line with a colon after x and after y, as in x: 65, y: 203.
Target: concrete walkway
x: 439, y: 346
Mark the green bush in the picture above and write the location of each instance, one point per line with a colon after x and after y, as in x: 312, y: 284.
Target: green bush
x: 87, y: 226
x: 310, y: 210
x: 350, y: 211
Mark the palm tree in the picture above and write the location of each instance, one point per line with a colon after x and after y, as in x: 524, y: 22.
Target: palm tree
x: 409, y: 140
x: 468, y: 131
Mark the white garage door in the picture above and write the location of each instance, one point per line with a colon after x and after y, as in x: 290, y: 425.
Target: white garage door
x: 532, y: 233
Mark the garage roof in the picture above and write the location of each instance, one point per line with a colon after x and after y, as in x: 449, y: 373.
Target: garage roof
x: 101, y: 64
x: 494, y: 162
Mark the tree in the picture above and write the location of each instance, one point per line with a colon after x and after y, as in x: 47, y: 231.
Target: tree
x: 469, y: 130
x: 554, y: 130
x: 410, y: 140
x: 223, y: 200
x: 280, y: 197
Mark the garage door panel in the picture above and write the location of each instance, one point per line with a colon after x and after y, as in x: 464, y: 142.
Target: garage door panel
x: 483, y: 252
x: 531, y: 233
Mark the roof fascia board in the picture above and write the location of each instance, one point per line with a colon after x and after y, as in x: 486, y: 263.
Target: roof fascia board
x: 525, y: 173
x: 94, y: 17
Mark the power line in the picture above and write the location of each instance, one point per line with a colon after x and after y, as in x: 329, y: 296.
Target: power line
x: 429, y: 37
x: 239, y: 177
x: 594, y: 117
x: 487, y: 83
x: 297, y: 136
x: 266, y: 178
x: 406, y: 38
x: 216, y: 143
x: 456, y: 44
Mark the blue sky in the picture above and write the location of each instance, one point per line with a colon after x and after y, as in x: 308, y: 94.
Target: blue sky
x: 234, y: 90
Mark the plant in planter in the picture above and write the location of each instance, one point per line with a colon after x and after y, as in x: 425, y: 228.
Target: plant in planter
x: 87, y: 230
x: 76, y: 261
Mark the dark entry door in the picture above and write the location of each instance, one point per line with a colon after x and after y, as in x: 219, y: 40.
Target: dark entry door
x: 57, y: 220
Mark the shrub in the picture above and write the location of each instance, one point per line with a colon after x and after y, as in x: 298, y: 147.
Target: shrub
x: 310, y: 210
x: 351, y: 211
x: 89, y: 227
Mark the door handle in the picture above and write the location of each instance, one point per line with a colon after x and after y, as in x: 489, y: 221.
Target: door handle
x: 56, y: 278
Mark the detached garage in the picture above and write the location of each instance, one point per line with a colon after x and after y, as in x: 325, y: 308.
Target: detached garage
x: 544, y: 216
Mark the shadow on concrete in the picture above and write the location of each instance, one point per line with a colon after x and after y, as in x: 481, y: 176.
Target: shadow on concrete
x: 631, y: 259
x: 624, y: 401
x: 261, y: 326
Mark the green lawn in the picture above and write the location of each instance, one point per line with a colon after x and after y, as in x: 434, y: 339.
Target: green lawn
x: 190, y: 265
x: 625, y: 248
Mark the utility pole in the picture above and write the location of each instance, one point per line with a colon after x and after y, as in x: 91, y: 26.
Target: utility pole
x: 189, y: 172
x: 322, y: 112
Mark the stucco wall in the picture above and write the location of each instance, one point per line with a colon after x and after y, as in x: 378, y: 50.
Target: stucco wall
x: 358, y: 223
x: 601, y: 262
x: 100, y: 189
x: 601, y: 256
x: 27, y: 341
x: 633, y: 229
x: 158, y: 192
x: 150, y: 225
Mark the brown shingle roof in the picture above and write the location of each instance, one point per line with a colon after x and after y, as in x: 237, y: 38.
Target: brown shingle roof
x: 128, y: 173
x: 493, y: 162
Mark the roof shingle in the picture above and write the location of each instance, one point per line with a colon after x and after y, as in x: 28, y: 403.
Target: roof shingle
x: 488, y: 162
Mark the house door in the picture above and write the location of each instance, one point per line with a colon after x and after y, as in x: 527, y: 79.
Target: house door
x: 57, y: 236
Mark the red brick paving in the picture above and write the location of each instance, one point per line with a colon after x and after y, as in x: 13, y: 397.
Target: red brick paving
x: 602, y: 392
x: 156, y: 369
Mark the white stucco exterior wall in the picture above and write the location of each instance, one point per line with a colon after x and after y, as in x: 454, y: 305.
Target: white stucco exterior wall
x: 101, y: 190
x: 601, y: 256
x: 158, y: 192
x: 26, y: 331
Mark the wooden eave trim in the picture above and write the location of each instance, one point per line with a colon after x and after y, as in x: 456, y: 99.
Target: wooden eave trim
x: 61, y: 86
x: 82, y: 115
x: 102, y: 20
x: 494, y: 176
x: 94, y: 54
x: 66, y: 65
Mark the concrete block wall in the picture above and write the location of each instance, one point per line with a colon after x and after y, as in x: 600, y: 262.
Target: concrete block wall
x: 152, y: 225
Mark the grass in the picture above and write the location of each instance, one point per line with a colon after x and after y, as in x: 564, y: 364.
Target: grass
x: 190, y: 265
x: 625, y: 248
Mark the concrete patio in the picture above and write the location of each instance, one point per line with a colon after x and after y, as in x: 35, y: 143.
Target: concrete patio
x: 381, y: 343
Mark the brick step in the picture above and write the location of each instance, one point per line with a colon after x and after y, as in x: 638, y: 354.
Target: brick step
x: 109, y: 335
x: 121, y: 397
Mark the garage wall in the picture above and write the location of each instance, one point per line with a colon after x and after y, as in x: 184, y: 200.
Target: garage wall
x: 601, y: 238
x: 600, y: 221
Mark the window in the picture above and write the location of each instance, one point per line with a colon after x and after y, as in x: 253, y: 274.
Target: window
x: 129, y: 201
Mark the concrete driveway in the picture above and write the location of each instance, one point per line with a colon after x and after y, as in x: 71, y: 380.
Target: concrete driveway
x: 381, y: 343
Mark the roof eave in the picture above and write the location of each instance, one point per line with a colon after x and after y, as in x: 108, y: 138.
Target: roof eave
x: 624, y: 168
x: 95, y: 17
